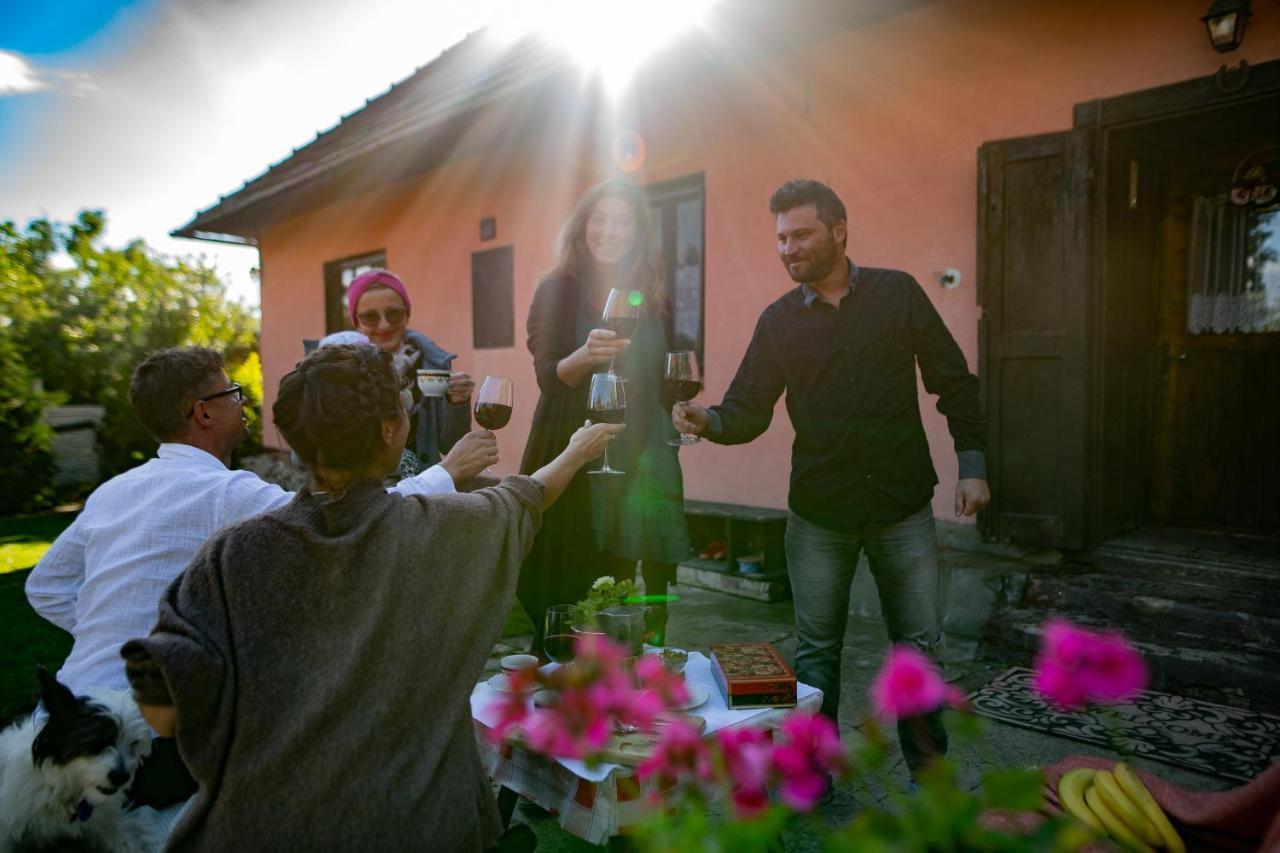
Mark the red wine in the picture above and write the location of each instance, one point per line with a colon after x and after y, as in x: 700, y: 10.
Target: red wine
x: 492, y: 415
x: 559, y: 647
x: 624, y: 327
x: 607, y: 416
x: 679, y: 391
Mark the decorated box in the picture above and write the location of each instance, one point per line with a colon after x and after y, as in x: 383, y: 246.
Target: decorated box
x: 753, y: 675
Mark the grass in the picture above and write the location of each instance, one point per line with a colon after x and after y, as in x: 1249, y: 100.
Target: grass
x: 30, y: 640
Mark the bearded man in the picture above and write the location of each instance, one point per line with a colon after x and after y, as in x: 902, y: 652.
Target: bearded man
x: 844, y: 346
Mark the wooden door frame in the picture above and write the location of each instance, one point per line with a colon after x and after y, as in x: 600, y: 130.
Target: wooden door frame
x: 1120, y: 113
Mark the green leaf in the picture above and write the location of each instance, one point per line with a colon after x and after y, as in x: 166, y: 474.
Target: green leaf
x: 1014, y: 789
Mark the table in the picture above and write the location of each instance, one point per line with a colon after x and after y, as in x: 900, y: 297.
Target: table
x: 595, y: 803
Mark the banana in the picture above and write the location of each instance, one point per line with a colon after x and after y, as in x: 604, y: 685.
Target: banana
x: 1132, y: 785
x: 1124, y: 808
x: 1071, y: 788
x: 1114, y: 825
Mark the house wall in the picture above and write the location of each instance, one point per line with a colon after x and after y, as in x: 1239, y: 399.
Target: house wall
x: 891, y: 115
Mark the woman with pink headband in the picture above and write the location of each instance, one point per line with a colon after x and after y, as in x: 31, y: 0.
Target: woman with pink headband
x: 379, y: 307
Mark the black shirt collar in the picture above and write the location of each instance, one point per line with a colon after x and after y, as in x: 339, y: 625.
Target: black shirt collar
x: 809, y: 294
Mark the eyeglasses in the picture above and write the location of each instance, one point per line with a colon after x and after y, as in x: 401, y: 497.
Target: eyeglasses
x: 395, y: 316
x: 234, y: 389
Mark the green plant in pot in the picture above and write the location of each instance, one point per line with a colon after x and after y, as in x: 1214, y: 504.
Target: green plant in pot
x: 604, y: 593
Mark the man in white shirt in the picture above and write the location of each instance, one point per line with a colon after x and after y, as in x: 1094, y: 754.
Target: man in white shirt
x: 102, y: 578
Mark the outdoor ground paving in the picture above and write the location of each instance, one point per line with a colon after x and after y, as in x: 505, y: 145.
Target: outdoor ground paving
x: 974, y: 582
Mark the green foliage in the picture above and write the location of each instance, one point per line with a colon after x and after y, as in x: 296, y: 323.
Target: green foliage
x: 605, y: 593
x: 82, y: 315
x: 26, y: 461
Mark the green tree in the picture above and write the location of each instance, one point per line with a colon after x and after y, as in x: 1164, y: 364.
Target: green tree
x: 26, y: 460
x: 82, y: 315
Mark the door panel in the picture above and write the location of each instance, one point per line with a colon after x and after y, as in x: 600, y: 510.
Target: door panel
x: 1033, y: 235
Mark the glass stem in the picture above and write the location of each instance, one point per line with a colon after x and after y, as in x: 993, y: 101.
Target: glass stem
x: 605, y: 465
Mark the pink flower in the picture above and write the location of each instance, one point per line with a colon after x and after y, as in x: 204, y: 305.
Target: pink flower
x: 909, y: 685
x: 679, y: 755
x: 748, y: 761
x: 1076, y: 666
x: 810, y: 755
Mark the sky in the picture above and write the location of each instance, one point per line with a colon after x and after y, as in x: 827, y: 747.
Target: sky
x: 151, y: 110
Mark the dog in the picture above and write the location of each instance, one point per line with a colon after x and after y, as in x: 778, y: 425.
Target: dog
x: 64, y: 779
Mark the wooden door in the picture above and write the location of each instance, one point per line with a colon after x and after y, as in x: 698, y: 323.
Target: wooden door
x: 1033, y: 263
x: 1216, y: 447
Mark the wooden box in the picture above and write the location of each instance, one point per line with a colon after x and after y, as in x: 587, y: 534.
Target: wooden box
x: 753, y: 675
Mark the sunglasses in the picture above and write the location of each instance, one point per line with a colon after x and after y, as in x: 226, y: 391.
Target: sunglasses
x: 234, y: 389
x: 395, y: 316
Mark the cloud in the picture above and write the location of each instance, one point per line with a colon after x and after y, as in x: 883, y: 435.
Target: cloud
x: 17, y: 77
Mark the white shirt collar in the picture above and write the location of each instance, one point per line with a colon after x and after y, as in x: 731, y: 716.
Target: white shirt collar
x: 178, y: 450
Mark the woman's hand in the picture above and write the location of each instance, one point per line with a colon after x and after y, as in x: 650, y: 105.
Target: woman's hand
x: 460, y: 387
x: 589, y: 441
x: 470, y: 455
x: 602, y: 346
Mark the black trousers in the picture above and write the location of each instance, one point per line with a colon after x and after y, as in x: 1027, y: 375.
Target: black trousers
x: 162, y: 780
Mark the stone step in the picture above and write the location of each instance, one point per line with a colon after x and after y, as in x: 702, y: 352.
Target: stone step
x: 1230, y: 564
x: 1231, y: 676
x: 1163, y: 612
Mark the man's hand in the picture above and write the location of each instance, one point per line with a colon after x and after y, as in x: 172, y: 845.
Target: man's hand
x: 689, y: 418
x: 590, y: 440
x: 602, y: 346
x: 460, y: 387
x: 474, y: 452
x: 971, y: 496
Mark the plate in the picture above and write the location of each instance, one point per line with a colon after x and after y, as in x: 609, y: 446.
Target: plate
x: 698, y: 694
x: 499, y: 682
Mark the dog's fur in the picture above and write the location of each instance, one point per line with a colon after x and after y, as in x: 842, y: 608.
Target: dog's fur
x: 64, y: 780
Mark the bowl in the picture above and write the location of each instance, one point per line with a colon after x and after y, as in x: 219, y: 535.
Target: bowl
x: 674, y: 660
x: 433, y: 383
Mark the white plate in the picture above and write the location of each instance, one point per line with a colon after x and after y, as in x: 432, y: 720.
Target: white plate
x: 499, y: 682
x: 698, y: 695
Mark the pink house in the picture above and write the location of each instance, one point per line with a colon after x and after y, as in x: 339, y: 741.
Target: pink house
x: 1057, y: 175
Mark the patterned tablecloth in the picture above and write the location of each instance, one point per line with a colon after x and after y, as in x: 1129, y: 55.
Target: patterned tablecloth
x: 596, y: 802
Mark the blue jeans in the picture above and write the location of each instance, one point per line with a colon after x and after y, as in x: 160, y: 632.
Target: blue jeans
x: 904, y: 562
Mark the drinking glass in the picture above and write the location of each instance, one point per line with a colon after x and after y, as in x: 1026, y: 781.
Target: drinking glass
x: 622, y: 313
x: 680, y: 384
x: 493, y: 402
x: 558, y: 639
x: 607, y: 404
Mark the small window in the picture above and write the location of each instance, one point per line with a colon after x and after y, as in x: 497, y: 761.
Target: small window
x: 338, y: 276
x: 493, y: 317
x: 1234, y: 277
x: 677, y: 207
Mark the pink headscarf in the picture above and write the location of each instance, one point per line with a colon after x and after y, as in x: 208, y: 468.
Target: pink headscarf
x: 366, y: 280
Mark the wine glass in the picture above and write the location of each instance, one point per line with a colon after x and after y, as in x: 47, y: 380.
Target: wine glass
x: 493, y: 402
x: 607, y: 404
x: 558, y: 639
x: 622, y: 313
x: 680, y: 384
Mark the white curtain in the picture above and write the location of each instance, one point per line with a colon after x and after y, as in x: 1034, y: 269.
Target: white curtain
x: 1226, y: 293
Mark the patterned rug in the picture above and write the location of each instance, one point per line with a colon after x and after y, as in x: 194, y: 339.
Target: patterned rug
x: 1215, y: 739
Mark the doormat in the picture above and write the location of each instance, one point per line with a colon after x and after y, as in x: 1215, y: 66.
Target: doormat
x: 1203, y: 736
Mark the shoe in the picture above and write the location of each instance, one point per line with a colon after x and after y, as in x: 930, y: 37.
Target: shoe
x: 715, y: 550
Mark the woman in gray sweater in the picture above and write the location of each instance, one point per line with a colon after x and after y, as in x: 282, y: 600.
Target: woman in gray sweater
x: 316, y: 662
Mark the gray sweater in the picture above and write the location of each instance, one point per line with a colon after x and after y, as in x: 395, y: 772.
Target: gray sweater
x: 320, y: 658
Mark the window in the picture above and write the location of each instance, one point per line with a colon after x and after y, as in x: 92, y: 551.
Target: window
x: 493, y: 321
x: 338, y: 276
x: 677, y: 209
x: 1234, y: 276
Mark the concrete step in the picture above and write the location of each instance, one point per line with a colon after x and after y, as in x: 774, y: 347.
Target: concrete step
x: 1164, y: 612
x: 1248, y: 565
x: 1232, y: 675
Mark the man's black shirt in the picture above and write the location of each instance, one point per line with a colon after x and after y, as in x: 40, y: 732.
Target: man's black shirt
x: 860, y: 453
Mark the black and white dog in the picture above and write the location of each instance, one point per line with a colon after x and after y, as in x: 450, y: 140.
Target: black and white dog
x: 64, y: 778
